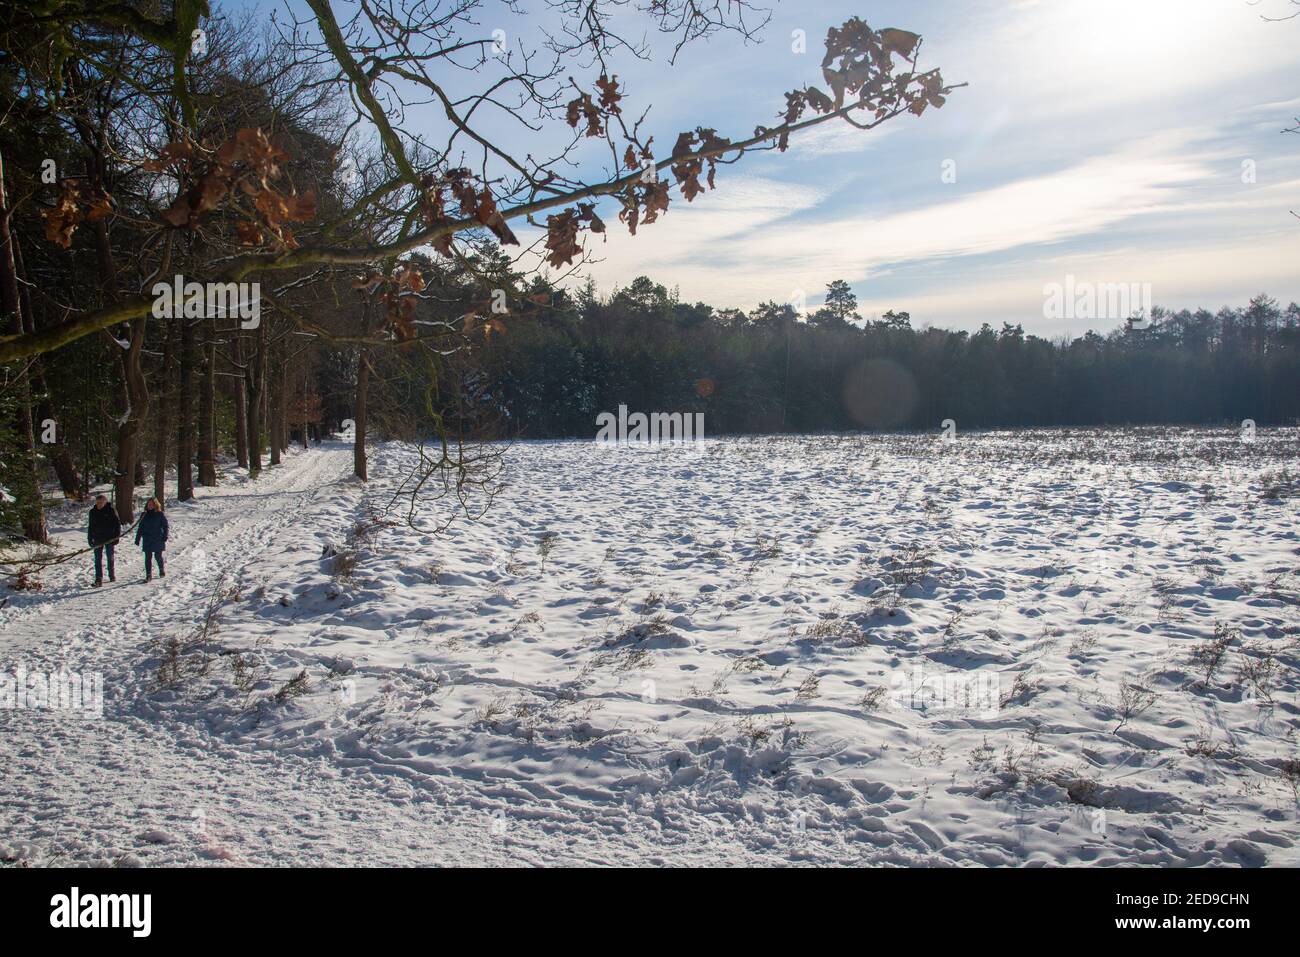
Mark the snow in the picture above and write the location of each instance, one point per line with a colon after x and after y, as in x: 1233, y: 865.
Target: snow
x: 722, y: 661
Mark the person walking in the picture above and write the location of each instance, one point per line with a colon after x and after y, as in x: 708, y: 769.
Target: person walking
x: 151, y: 535
x: 102, y: 532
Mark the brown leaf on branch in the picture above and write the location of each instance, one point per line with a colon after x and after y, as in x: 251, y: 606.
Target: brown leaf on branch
x: 408, y: 278
x: 178, y: 213
x: 794, y: 105
x: 251, y: 146
x: 562, y: 233
x: 631, y: 211
x: 687, y: 174
x: 75, y: 205
x: 209, y: 192
x: 562, y: 238
x: 654, y: 200
x: 902, y: 42
x: 61, y: 221
x: 818, y: 100
x: 169, y: 154
x: 250, y: 234
x: 856, y: 60
x: 609, y: 95
x: 273, y: 207
x: 433, y: 208
x: 581, y: 108
x: 587, y: 213
x: 461, y: 182
x: 97, y: 207
x: 710, y: 140
x: 302, y: 207
x: 487, y: 214
x: 687, y: 169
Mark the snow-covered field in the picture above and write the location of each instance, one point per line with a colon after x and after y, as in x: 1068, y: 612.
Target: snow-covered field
x: 1014, y: 648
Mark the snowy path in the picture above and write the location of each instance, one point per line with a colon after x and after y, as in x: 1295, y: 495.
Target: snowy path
x: 126, y: 788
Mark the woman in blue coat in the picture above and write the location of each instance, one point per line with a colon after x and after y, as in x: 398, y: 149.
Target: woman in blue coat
x: 151, y: 535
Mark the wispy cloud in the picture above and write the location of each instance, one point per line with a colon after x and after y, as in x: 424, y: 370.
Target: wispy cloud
x: 744, y: 244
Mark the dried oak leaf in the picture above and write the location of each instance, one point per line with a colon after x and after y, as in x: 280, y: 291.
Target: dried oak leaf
x: 408, y: 278
x: 169, y: 154
x: 273, y: 207
x: 818, y: 100
x: 587, y: 213
x: 487, y: 214
x: 654, y: 200
x: 251, y: 146
x: 609, y: 95
x: 631, y: 211
x: 179, y: 212
x: 794, y: 104
x: 97, y: 207
x: 61, y: 221
x: 687, y: 174
x: 461, y: 182
x: 213, y: 187
x: 562, y: 238
x: 581, y: 107
x: 250, y: 234
x: 710, y: 140
x: 302, y: 207
x: 902, y: 42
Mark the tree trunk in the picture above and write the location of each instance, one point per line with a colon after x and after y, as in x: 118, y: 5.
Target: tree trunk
x: 164, y: 416
x: 363, y: 394
x: 207, y: 407
x: 256, y: 377
x: 57, y: 450
x: 241, y: 397
x: 185, y: 410
x: 25, y: 483
x: 276, y: 401
x: 128, y: 431
x: 359, y: 413
x: 283, y: 395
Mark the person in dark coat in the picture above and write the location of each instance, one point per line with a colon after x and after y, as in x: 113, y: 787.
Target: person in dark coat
x: 102, y: 533
x: 151, y: 535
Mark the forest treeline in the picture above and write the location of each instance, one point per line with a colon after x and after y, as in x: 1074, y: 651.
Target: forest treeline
x: 551, y: 371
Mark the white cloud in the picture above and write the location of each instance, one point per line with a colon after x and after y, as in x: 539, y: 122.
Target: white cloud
x: 740, y: 245
x: 1180, y: 277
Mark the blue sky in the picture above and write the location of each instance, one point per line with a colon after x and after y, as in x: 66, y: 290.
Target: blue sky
x: 1103, y: 139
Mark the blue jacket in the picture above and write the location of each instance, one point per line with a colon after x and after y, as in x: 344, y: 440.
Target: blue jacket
x: 152, y: 531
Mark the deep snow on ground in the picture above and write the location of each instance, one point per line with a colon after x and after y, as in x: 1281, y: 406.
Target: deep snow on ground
x: 720, y: 653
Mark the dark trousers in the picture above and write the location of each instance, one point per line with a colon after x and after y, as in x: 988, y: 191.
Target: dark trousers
x: 148, y: 563
x: 99, y: 561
